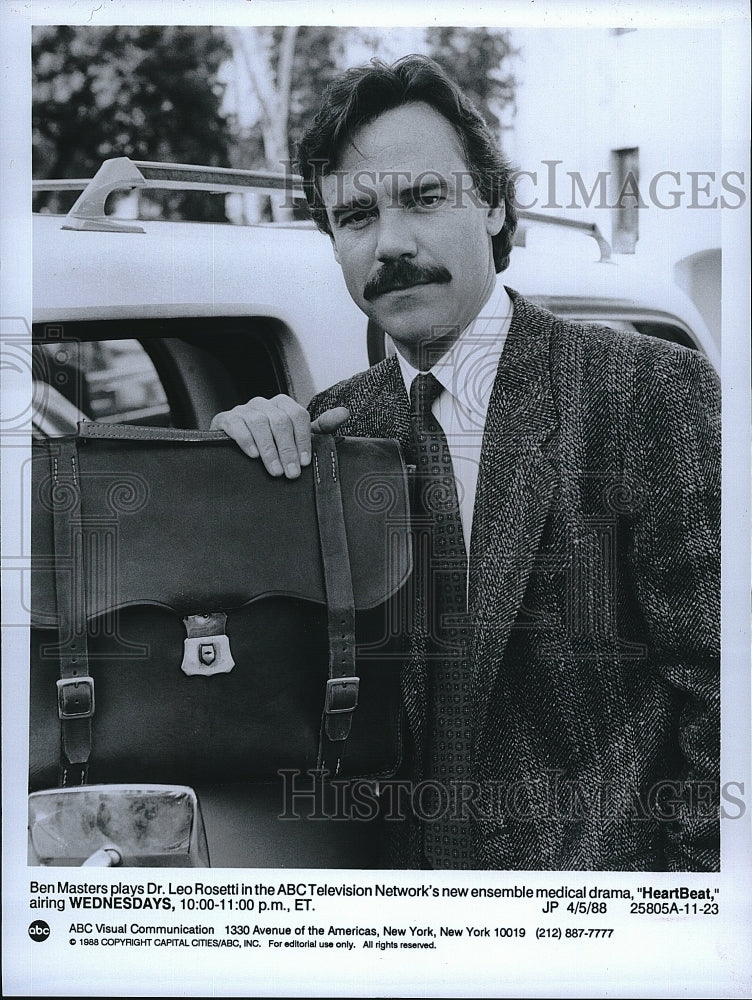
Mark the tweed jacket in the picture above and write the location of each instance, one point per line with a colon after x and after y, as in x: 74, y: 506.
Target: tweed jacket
x: 594, y: 593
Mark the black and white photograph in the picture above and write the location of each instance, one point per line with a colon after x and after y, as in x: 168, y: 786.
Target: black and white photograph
x: 375, y: 484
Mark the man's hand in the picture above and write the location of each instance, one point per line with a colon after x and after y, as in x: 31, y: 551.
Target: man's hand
x: 277, y: 430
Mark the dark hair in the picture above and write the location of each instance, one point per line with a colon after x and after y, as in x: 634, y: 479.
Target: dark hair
x: 361, y: 94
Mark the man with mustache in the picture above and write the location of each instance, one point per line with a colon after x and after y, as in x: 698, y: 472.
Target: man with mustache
x: 564, y: 675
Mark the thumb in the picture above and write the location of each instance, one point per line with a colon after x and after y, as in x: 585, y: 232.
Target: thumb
x: 330, y: 420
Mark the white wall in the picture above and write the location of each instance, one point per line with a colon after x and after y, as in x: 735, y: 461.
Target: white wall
x: 585, y: 92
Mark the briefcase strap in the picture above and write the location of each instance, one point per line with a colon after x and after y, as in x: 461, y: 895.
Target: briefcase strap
x: 75, y: 688
x: 341, y: 697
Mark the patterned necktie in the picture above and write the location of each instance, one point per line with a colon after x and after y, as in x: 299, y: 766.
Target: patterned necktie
x: 441, y: 558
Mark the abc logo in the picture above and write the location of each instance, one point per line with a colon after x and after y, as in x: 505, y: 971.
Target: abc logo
x: 39, y: 930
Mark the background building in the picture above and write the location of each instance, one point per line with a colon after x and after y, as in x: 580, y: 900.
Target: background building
x: 623, y: 128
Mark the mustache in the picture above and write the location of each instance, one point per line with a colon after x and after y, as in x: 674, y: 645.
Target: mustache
x: 402, y: 273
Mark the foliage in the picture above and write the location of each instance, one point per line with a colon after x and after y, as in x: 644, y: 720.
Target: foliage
x: 319, y: 56
x: 281, y: 72
x: 158, y: 92
x: 150, y: 93
x: 479, y: 60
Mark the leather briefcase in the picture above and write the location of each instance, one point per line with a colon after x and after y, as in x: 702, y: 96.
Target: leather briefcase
x: 195, y: 619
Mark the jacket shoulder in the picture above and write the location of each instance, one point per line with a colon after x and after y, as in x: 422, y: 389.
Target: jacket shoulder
x: 353, y: 392
x: 621, y: 362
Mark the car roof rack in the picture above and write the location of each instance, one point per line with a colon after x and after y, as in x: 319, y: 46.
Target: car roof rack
x: 66, y: 184
x: 122, y: 173
x: 586, y: 227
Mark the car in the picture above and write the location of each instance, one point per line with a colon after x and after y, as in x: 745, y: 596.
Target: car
x: 169, y: 322
x: 160, y: 323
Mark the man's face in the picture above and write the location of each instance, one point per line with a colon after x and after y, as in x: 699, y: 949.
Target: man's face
x: 409, y: 231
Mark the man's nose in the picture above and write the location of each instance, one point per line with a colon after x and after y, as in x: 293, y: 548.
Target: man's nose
x: 396, y: 237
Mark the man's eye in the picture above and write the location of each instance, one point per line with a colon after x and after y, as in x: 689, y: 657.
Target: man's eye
x: 428, y: 199
x: 357, y: 219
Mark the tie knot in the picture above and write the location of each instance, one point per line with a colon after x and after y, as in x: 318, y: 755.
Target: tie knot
x: 423, y: 391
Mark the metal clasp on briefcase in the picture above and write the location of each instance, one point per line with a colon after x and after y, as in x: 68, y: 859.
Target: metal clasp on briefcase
x: 206, y: 650
x: 341, y: 695
x: 75, y: 697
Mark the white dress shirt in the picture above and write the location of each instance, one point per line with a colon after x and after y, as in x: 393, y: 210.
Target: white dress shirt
x: 467, y: 372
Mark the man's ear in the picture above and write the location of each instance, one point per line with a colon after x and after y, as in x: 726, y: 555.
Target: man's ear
x: 334, y: 250
x: 495, y: 219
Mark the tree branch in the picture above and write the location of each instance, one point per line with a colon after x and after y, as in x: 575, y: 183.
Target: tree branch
x: 284, y: 73
x: 246, y: 41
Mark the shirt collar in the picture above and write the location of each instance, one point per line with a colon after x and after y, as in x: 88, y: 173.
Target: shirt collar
x: 468, y: 369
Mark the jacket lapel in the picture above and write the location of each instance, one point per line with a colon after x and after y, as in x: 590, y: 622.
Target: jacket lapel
x: 382, y: 408
x: 516, y: 483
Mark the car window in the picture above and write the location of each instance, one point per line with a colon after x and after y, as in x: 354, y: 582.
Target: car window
x: 164, y: 373
x: 111, y: 381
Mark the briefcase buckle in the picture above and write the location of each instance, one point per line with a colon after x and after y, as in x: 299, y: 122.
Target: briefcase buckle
x: 341, y: 695
x: 75, y: 698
